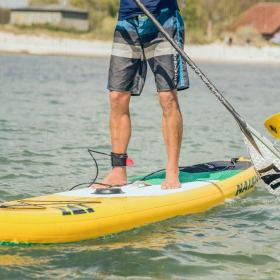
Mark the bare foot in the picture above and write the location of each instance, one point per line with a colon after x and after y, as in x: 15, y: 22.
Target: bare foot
x: 117, y: 177
x: 172, y: 180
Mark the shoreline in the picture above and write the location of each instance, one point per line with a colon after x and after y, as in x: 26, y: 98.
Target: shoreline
x: 216, y: 52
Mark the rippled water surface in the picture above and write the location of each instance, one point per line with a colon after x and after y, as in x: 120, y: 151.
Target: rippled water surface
x: 53, y: 108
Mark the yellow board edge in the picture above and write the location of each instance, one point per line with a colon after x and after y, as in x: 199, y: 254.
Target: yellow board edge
x: 120, y: 214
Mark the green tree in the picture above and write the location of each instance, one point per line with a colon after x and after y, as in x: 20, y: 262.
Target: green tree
x: 42, y: 2
x: 199, y: 15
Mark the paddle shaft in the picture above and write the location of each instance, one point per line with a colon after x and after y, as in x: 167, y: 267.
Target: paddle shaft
x: 196, y: 69
x: 241, y: 122
x: 247, y: 130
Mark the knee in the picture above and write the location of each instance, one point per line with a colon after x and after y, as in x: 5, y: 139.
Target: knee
x: 119, y: 101
x: 169, y: 102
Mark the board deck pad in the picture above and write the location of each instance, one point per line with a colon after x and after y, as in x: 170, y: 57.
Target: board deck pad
x: 191, y: 178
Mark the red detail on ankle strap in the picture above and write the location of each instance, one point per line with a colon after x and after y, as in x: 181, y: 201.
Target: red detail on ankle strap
x: 129, y: 162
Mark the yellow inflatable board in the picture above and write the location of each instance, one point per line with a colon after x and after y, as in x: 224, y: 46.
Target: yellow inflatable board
x: 83, y: 214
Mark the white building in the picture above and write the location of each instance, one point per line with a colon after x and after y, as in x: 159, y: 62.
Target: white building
x: 56, y: 15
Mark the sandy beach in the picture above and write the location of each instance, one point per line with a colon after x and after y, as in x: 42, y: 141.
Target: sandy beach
x: 216, y: 52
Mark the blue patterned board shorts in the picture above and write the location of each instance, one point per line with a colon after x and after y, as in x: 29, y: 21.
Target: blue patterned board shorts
x: 137, y: 42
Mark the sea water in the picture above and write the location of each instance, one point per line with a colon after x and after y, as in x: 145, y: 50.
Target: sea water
x: 53, y: 108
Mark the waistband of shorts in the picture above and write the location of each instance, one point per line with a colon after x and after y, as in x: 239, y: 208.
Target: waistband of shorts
x: 155, y: 13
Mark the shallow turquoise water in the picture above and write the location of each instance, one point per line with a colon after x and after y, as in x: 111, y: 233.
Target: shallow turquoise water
x: 53, y: 108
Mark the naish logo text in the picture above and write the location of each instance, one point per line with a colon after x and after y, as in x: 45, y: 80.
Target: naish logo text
x: 247, y: 185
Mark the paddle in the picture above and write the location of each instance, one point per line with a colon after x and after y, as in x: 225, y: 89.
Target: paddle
x: 265, y: 157
x: 273, y: 125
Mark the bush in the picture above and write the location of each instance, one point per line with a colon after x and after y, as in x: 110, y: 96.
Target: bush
x: 196, y: 36
x: 4, y: 16
x: 42, y: 2
x: 248, y: 35
x: 104, y: 29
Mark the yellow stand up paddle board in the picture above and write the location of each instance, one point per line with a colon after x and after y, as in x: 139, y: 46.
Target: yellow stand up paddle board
x: 85, y: 214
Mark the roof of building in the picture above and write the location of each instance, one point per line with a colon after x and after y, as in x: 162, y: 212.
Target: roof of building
x: 13, y: 3
x: 264, y: 17
x: 51, y: 8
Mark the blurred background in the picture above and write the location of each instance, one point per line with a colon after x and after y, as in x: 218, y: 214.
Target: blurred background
x: 236, y: 21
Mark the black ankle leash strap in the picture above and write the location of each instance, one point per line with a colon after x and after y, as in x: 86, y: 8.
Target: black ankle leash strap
x: 118, y: 160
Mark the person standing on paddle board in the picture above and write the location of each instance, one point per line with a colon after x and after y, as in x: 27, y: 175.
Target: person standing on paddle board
x: 137, y: 42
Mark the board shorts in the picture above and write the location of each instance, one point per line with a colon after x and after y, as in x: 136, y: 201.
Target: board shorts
x: 137, y: 42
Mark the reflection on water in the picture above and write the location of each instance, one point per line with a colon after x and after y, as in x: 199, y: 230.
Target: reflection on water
x: 17, y: 260
x: 53, y: 108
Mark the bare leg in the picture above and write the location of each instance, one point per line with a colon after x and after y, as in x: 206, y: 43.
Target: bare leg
x: 172, y: 126
x: 120, y: 129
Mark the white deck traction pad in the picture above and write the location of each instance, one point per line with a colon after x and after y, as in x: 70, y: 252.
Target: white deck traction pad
x: 136, y: 190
